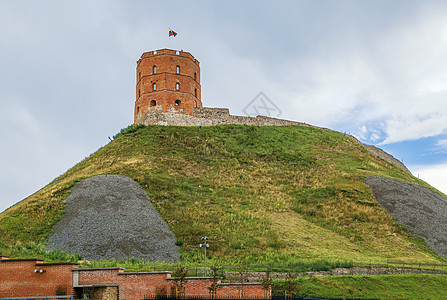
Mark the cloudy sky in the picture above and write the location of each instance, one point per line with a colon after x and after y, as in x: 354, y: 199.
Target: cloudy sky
x: 374, y: 69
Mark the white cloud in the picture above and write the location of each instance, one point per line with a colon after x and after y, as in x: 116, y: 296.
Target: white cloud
x: 395, y: 79
x: 435, y: 175
x: 442, y: 144
x: 414, y: 127
x: 375, y: 70
x: 414, y: 69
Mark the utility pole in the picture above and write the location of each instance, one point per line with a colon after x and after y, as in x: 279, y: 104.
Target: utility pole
x: 204, y: 245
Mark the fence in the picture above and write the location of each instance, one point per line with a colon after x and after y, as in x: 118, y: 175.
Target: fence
x: 188, y: 297
x: 257, y: 272
x: 164, y: 297
x: 38, y: 297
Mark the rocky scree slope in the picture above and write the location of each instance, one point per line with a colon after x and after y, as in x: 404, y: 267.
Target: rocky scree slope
x: 111, y: 217
x: 418, y: 208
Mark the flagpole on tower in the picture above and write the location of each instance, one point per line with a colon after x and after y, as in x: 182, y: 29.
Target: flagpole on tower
x: 171, y: 33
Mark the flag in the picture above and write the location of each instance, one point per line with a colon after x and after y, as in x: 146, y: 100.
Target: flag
x: 172, y: 32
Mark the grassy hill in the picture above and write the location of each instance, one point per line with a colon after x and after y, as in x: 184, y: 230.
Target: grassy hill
x: 366, y: 287
x: 272, y: 195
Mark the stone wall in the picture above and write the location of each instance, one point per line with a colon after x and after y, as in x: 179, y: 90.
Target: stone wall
x: 385, y: 156
x: 207, y: 116
x: 106, y: 293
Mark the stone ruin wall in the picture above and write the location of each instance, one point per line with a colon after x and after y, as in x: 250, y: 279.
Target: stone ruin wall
x: 207, y: 116
x: 385, y: 156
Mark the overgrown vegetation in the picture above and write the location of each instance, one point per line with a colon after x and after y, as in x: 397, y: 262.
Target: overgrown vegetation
x: 365, y: 287
x: 37, y: 250
x: 268, y: 195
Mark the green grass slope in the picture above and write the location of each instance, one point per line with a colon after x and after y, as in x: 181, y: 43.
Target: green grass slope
x: 272, y: 195
x: 365, y: 287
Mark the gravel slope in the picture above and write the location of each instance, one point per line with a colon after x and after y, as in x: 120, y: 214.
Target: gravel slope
x: 111, y: 217
x: 418, y: 208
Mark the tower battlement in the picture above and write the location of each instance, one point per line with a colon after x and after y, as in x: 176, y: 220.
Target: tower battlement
x: 169, y: 52
x: 167, y: 79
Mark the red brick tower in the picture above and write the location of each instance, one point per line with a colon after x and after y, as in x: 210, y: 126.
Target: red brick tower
x: 167, y: 79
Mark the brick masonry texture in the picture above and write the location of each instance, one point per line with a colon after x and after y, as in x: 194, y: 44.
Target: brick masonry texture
x: 167, y: 79
x: 19, y: 279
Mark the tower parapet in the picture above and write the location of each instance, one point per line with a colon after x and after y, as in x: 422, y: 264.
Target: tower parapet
x: 168, y: 79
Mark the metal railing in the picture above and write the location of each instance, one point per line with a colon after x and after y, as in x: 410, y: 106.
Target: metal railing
x: 37, y: 297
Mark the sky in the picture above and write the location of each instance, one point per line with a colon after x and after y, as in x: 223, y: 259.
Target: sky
x: 374, y: 69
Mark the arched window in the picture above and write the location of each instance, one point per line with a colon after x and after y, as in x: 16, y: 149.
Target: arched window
x: 155, y: 69
x: 195, y: 103
x: 154, y: 86
x: 177, y: 86
x: 153, y: 103
x: 139, y: 93
x: 195, y: 93
x: 138, y: 110
x: 177, y: 102
x: 195, y: 76
x: 139, y: 76
x: 178, y: 70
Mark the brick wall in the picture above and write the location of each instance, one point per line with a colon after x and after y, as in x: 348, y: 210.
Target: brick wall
x: 18, y: 279
x: 197, y: 286
x: 243, y: 290
x: 97, y: 276
x: 137, y: 285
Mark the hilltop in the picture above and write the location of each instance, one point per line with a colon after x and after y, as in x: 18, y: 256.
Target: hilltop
x: 265, y: 194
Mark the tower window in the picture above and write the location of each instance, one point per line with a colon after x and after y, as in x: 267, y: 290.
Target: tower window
x: 153, y: 103
x: 139, y: 76
x: 195, y: 93
x: 154, y: 86
x: 177, y: 102
x: 195, y: 76
x: 178, y: 70
x: 155, y: 69
x: 138, y: 110
x: 195, y: 103
x: 177, y: 86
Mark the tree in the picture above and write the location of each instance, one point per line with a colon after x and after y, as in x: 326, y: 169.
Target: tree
x: 242, y: 274
x: 216, y: 279
x: 289, y: 288
x: 180, y: 279
x: 267, y: 283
